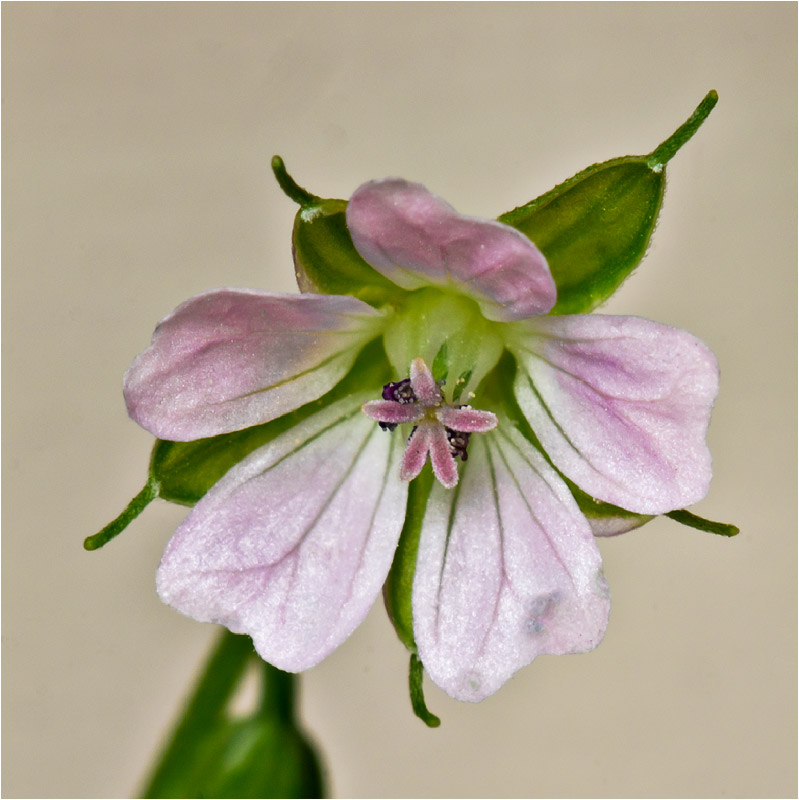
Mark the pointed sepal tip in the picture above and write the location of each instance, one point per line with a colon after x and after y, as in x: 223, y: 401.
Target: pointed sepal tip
x: 291, y: 188
x: 701, y: 524
x: 665, y: 151
x: 132, y: 510
x: 415, y: 679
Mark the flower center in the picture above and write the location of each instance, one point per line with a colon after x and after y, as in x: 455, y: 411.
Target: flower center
x: 440, y: 430
x: 449, y: 333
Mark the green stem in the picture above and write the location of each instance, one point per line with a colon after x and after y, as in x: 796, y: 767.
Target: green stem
x: 299, y: 195
x: 665, y: 151
x: 205, y: 707
x: 134, y: 508
x: 277, y: 693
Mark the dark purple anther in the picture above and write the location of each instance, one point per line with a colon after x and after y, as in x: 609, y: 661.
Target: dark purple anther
x: 458, y: 442
x: 399, y: 392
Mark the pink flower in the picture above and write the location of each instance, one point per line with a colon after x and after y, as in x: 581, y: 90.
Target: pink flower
x: 293, y: 544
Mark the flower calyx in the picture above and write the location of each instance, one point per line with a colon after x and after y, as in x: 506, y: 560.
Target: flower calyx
x: 439, y: 429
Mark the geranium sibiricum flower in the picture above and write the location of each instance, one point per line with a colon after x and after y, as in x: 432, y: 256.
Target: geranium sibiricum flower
x: 293, y: 544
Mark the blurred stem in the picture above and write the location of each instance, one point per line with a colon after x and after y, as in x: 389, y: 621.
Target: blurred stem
x: 277, y: 693
x: 207, y: 704
x: 216, y: 753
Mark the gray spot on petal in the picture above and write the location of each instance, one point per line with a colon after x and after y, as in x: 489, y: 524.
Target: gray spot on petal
x: 539, y: 612
x: 533, y: 626
x: 600, y: 584
x: 471, y: 682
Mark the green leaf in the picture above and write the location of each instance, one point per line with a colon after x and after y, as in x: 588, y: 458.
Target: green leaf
x: 325, y: 259
x: 185, y: 471
x: 214, y: 754
x: 594, y: 228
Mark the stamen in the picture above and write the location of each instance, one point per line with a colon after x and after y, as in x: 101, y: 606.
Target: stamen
x: 399, y: 392
x: 458, y: 442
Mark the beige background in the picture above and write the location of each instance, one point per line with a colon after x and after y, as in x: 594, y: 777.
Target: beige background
x: 136, y: 144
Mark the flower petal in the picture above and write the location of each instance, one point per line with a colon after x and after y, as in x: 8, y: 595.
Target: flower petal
x: 467, y: 420
x: 392, y: 412
x: 416, y: 239
x: 424, y: 386
x: 507, y: 570
x: 231, y: 358
x: 293, y: 544
x: 621, y: 405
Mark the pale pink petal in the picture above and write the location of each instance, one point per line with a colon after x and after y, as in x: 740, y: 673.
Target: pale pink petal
x: 415, y: 455
x: 424, y: 386
x: 416, y: 239
x: 468, y: 420
x: 294, y: 543
x: 507, y: 570
x: 441, y: 459
x: 621, y: 405
x: 231, y: 358
x: 392, y: 412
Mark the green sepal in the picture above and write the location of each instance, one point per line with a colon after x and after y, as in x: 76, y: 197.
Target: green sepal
x: 185, y: 471
x: 325, y: 259
x: 598, y: 512
x: 700, y: 523
x: 399, y: 583
x: 213, y: 753
x: 416, y: 688
x: 595, y: 228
